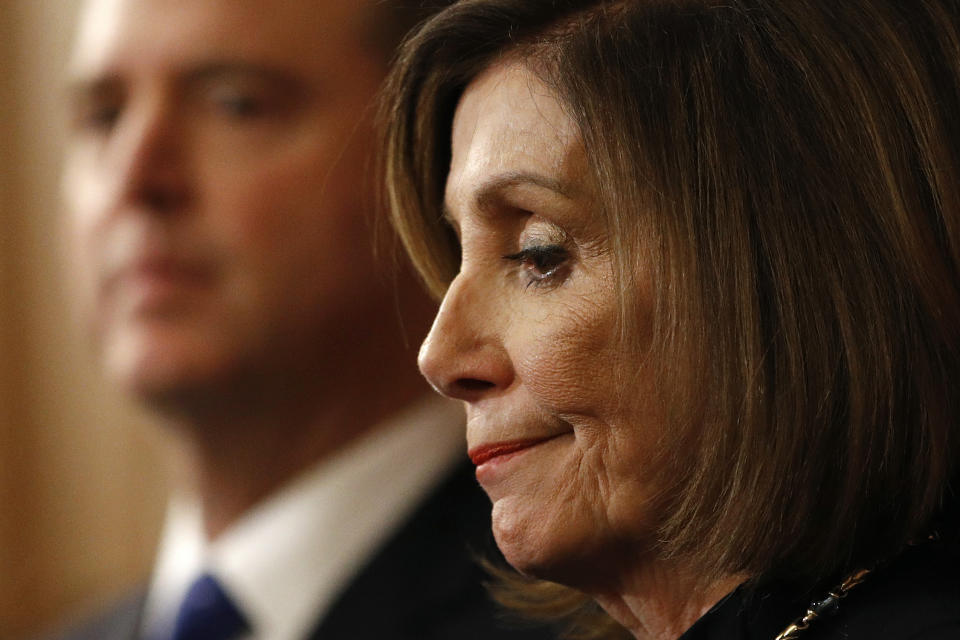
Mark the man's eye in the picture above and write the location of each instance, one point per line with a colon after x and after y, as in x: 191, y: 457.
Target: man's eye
x: 238, y: 102
x: 96, y: 118
x: 541, y: 264
x: 240, y: 105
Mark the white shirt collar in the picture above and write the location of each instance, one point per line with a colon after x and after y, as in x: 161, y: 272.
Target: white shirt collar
x: 286, y: 560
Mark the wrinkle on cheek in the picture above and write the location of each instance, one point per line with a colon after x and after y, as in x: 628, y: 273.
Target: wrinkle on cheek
x: 521, y: 524
x: 632, y: 461
x: 589, y: 496
x: 594, y: 472
x: 566, y: 356
x: 614, y: 491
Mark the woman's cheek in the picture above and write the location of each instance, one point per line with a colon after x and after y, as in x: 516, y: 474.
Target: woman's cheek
x: 565, y: 356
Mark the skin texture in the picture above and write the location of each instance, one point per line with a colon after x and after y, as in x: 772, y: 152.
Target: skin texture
x: 219, y: 202
x: 529, y: 342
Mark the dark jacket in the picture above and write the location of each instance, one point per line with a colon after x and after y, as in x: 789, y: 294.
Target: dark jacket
x: 916, y: 596
x: 424, y: 584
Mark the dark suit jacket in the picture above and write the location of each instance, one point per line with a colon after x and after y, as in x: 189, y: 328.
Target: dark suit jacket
x: 424, y: 584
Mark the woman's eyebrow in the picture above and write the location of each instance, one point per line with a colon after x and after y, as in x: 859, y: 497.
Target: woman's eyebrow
x: 491, y: 190
x: 490, y: 193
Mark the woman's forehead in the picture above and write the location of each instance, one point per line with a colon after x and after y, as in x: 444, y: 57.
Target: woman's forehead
x: 509, y: 129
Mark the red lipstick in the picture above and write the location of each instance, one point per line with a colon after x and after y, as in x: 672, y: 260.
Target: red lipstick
x: 486, y: 452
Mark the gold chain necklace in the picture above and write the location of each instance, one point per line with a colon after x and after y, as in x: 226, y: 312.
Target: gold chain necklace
x: 822, y: 608
x: 829, y: 605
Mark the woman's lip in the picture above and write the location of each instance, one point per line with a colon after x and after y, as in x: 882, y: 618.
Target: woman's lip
x: 486, y: 452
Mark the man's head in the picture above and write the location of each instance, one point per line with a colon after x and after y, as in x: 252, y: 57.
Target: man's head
x: 217, y: 183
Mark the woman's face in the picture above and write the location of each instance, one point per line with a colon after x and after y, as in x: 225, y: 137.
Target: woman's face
x: 560, y: 421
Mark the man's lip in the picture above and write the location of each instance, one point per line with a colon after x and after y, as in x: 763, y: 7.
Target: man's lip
x: 486, y: 452
x: 165, y: 269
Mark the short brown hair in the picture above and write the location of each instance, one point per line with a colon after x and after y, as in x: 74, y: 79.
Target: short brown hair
x: 788, y: 174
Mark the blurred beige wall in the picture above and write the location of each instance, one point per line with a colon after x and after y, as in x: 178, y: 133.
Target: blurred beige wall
x: 81, y: 475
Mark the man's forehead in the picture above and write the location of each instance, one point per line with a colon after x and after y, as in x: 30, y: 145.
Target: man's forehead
x: 117, y: 33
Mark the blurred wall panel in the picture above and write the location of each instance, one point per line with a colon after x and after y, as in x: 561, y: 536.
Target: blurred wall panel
x: 81, y: 475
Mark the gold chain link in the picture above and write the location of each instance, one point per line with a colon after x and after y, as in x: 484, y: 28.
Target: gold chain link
x: 801, y: 624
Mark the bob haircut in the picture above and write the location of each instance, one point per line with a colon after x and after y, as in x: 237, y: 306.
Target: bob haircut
x: 787, y: 175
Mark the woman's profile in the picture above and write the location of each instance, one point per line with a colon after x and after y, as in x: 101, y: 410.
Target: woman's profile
x: 700, y: 271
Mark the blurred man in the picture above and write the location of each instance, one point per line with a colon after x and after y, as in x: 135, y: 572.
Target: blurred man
x: 217, y: 183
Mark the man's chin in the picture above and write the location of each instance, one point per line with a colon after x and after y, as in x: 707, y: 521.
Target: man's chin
x: 168, y: 377
x: 173, y: 396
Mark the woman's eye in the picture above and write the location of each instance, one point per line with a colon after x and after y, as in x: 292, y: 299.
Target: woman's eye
x: 542, y: 264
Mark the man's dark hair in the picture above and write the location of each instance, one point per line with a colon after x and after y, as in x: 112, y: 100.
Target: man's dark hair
x: 391, y: 20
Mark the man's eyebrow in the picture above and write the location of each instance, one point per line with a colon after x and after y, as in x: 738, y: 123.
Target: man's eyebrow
x: 226, y: 69
x: 83, y: 88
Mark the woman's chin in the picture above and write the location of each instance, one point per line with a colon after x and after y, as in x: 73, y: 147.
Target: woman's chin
x: 536, y: 545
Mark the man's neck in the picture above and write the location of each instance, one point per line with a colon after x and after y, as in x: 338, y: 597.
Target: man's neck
x: 236, y: 459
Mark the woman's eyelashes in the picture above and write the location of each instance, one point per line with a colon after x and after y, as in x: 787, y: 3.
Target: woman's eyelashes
x: 546, y: 264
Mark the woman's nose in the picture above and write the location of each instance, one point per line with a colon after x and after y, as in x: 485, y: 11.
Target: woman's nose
x: 463, y: 356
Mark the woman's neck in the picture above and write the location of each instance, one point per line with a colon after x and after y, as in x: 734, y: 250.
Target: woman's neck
x: 661, y: 602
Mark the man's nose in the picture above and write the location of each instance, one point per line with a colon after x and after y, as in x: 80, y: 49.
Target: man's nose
x: 463, y: 356
x: 151, y: 159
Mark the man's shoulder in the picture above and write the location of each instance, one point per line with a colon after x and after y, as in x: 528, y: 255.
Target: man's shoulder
x: 426, y: 581
x: 119, y: 621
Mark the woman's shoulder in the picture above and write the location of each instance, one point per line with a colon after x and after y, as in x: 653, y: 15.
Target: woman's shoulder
x: 914, y: 597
